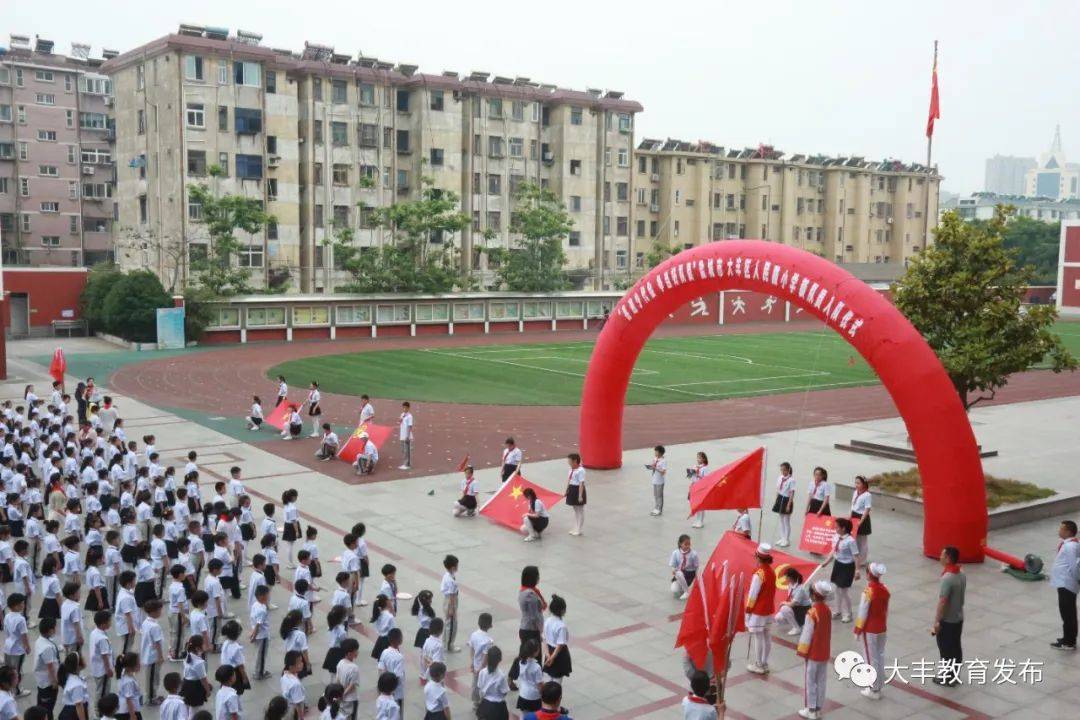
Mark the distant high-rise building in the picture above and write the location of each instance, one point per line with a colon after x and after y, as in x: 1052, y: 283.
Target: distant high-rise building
x: 1053, y: 177
x: 1005, y: 174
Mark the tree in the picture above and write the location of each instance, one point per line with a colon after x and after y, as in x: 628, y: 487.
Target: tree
x: 99, y: 281
x: 145, y: 248
x: 223, y: 216
x: 421, y: 255
x: 964, y: 295
x: 1036, y: 243
x: 536, y: 263
x: 130, y: 307
x: 658, y: 253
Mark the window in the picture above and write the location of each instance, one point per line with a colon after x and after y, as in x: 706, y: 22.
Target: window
x: 494, y: 184
x: 271, y: 230
x: 50, y: 207
x: 575, y: 203
x: 339, y: 92
x: 5, y: 77
x: 25, y: 222
x: 367, y: 94
x: 19, y: 77
x: 196, y: 115
x: 24, y: 187
x: 624, y: 157
x: 140, y: 77
x: 516, y: 181
x: 352, y: 314
x: 574, y: 238
x: 247, y: 73
x: 620, y: 258
x: 386, y: 314
x: 535, y: 309
x: 433, y: 312
x: 24, y: 150
x: 248, y: 121
x: 50, y: 240
x: 368, y: 135
x: 223, y: 72
x: 196, y: 163
x: 223, y: 163
x: 495, y: 146
x: 317, y: 131
x: 494, y: 220
x: 271, y: 189
x: 436, y: 100
x: 194, y: 210
x: 249, y: 167
x: 626, y: 122
x: 44, y: 76
x: 5, y: 185
x: 340, y: 173
x: 403, y: 101
x: 264, y: 317
x: 224, y: 317
x: 341, y: 216
x: 93, y: 121
x: 49, y: 170
x: 45, y: 99
x: 46, y: 135
x: 517, y: 147
x: 7, y: 150
x: 271, y: 81
x: 5, y: 113
x: 575, y: 116
x: 436, y: 156
x: 517, y: 110
x: 318, y: 216
x: 339, y: 133
x: 575, y: 167
x: 250, y: 256
x: 402, y: 180
x: 140, y: 121
x: 193, y: 68
x: 144, y: 210
x: 503, y: 311
x: 495, y: 108
x: 622, y: 226
x: 622, y: 191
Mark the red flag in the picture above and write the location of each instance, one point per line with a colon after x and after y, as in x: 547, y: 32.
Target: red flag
x: 735, y: 553
x: 819, y: 531
x: 736, y: 485
x: 378, y: 434
x: 280, y: 415
x: 508, y: 504
x: 58, y: 366
x: 935, y: 102
x: 464, y: 463
x: 727, y: 614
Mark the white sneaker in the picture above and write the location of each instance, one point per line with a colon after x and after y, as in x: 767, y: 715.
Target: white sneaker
x: 654, y: 512
x: 529, y: 538
x: 403, y: 467
x: 794, y: 631
x: 272, y: 606
x: 845, y: 618
x: 314, y: 435
x: 575, y: 533
x: 808, y: 714
x: 758, y: 669
x: 684, y: 596
x: 286, y: 437
x: 698, y: 525
x: 871, y: 693
x: 836, y: 614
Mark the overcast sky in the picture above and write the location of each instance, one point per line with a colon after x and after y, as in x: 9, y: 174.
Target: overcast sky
x: 811, y: 76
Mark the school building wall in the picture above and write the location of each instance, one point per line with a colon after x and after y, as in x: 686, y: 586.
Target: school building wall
x: 1068, y: 285
x: 45, y: 294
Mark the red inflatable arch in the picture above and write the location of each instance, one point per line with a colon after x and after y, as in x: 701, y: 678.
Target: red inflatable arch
x: 953, y: 484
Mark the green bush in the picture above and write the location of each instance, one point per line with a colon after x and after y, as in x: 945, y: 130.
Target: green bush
x: 99, y: 281
x: 130, y: 306
x: 196, y: 312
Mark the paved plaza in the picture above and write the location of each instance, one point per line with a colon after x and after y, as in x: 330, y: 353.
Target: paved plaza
x: 622, y: 617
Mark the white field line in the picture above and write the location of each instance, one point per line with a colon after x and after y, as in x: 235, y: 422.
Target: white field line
x: 810, y: 373
x: 743, y: 393
x: 745, y: 361
x: 554, y: 372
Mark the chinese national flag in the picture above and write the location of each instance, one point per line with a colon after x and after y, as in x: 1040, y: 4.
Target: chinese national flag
x: 734, y: 554
x: 378, y: 434
x: 736, y: 485
x: 280, y: 415
x: 58, y: 366
x: 508, y: 504
x: 935, y: 102
x: 464, y: 463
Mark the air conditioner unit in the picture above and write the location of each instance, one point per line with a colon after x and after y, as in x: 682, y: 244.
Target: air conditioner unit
x: 87, y: 170
x: 655, y: 207
x: 656, y: 177
x: 889, y: 221
x: 108, y: 102
x: 273, y: 161
x: 549, y: 156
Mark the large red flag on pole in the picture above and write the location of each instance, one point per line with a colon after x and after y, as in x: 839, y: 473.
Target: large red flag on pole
x: 734, y: 486
x: 509, y: 503
x: 58, y: 366
x: 935, y: 102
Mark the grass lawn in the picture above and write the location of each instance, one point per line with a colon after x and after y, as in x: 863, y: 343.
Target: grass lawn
x: 999, y: 491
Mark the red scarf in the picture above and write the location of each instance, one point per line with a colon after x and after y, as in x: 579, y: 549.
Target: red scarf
x: 698, y: 700
x: 950, y: 568
x: 543, y: 602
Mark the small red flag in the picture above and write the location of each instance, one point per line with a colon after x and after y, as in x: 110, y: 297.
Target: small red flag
x: 378, y: 434
x: 819, y: 532
x: 280, y: 415
x: 509, y: 503
x: 464, y: 463
x: 935, y: 102
x: 58, y: 366
x: 736, y: 485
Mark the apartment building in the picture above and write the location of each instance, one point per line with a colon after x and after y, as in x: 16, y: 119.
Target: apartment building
x: 56, y: 160
x: 321, y: 138
x: 847, y: 209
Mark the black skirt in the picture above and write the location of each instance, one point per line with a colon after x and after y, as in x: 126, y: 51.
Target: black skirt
x: 333, y: 657
x: 421, y: 637
x: 16, y: 528
x: 365, y: 568
x: 780, y: 503
x: 562, y: 666
x: 528, y: 705
x: 315, y: 568
x: 864, y: 525
x: 194, y: 506
x: 381, y: 644
x: 843, y: 574
x: 170, y: 497
x: 144, y: 591
x: 315, y: 410
x: 294, y: 430
x: 247, y: 531
x: 193, y: 692
x: 434, y: 715
x: 493, y: 710
x: 575, y: 495
x: 50, y: 608
x: 5, y: 573
x: 92, y: 603
x: 69, y: 713
x: 171, y: 550
x: 815, y: 505
x: 539, y: 524
x: 467, y: 501
x: 800, y: 613
x: 241, y: 684
x: 271, y: 576
x: 129, y: 554
x: 507, y: 471
x: 290, y: 534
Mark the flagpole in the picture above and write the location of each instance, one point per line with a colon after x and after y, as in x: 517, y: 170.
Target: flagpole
x: 761, y: 500
x: 929, y: 166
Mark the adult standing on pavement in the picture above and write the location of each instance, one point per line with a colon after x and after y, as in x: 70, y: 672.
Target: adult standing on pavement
x: 80, y: 402
x: 511, y: 459
x: 949, y: 618
x: 532, y: 604
x: 1065, y: 577
x: 405, y: 434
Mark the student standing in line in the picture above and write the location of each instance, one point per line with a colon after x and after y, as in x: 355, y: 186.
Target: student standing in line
x: 392, y: 661
x: 817, y: 502
x: 282, y: 391
x: 227, y: 700
x: 575, y: 492
x: 784, y: 503
x: 845, y: 559
x: 557, y: 662
x: 694, y: 474
x: 870, y: 625
x: 511, y: 459
x: 436, y: 703
x: 450, y: 593
x: 493, y: 687
x: 658, y: 471
x: 196, y: 688
x: 367, y: 410
x: 529, y: 677
x: 405, y: 435
x: 291, y: 687
x: 292, y: 532
x: 1065, y: 578
x: 75, y: 698
x: 314, y: 403
x: 479, y: 644
x: 260, y: 630
x: 232, y: 654
x: 386, y: 706
x: 759, y: 608
x: 46, y: 665
x: 151, y: 648
x: 860, y: 510
x: 815, y: 649
x: 127, y: 688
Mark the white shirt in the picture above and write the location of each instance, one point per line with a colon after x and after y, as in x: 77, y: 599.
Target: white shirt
x: 151, y: 636
x: 530, y: 677
x: 818, y: 491
x: 46, y: 653
x: 845, y: 548
x: 70, y: 619
x: 1065, y: 571
x: 684, y: 562
x: 659, y: 471
x: 14, y: 633
x: 697, y: 710
x: 432, y: 652
x: 292, y: 689
x: 74, y: 691
x: 226, y: 704
x: 493, y: 686
x: 860, y: 502
x: 406, y: 428
x: 101, y: 652
x: 479, y: 643
x: 785, y: 485
x: 393, y: 661
x: 256, y: 411
x: 512, y: 456
x: 386, y: 708
x: 555, y: 632
x: 449, y: 584
x: 577, y: 476
x: 366, y: 413
x: 435, y: 699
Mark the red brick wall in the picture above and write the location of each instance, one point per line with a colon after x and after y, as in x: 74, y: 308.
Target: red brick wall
x: 220, y: 337
x: 1070, y: 293
x: 266, y: 334
x: 1072, y: 244
x: 503, y: 327
x: 393, y: 330
x: 703, y: 311
x: 537, y: 325
x: 49, y: 292
x: 436, y: 329
x: 741, y: 306
x: 468, y: 328
x: 353, y: 331
x: 315, y: 333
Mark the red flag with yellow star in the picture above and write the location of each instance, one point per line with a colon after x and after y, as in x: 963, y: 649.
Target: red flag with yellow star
x: 734, y: 486
x: 509, y: 503
x: 378, y: 434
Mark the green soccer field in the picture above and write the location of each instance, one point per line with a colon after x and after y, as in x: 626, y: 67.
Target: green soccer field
x: 669, y: 370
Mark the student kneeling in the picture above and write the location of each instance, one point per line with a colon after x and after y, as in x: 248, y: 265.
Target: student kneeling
x: 366, y: 460
x: 330, y: 444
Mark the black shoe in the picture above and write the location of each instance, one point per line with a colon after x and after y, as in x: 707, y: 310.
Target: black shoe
x: 1060, y: 644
